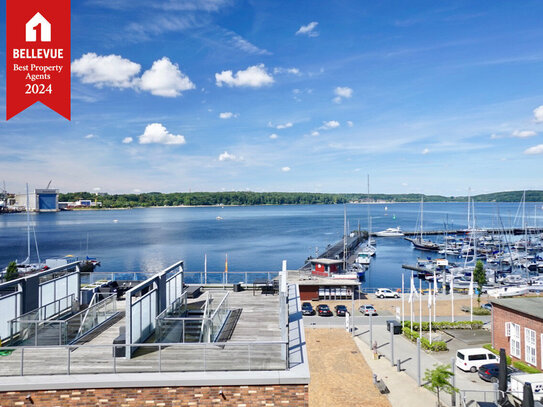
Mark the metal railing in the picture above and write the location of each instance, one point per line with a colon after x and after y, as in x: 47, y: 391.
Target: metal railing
x: 53, y: 309
x: 150, y: 358
x: 63, y: 331
x: 211, y: 322
x: 468, y: 396
x: 232, y: 277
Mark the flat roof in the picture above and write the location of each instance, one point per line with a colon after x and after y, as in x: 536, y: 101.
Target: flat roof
x: 532, y: 306
x: 326, y: 261
x: 306, y: 278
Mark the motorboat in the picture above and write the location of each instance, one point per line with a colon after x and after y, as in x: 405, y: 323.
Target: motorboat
x: 363, y: 258
x: 390, y: 232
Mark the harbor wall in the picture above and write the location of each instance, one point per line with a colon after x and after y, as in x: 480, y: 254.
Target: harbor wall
x: 239, y: 396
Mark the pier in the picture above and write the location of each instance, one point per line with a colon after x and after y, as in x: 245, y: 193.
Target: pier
x: 335, y: 251
x: 513, y: 231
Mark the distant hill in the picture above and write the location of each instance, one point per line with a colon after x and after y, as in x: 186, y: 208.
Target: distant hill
x: 278, y: 198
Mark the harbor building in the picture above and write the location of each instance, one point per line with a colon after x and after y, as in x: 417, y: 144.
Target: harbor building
x: 517, y: 326
x: 128, y: 338
x: 41, y: 200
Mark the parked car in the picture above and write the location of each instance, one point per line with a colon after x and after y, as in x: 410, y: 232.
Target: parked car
x: 386, y: 293
x: 307, y: 309
x: 340, y: 310
x: 367, y: 310
x: 324, y: 310
x: 490, y: 372
x: 472, y: 359
x: 487, y: 306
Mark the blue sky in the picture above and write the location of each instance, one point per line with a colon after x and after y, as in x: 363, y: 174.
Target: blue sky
x: 211, y: 95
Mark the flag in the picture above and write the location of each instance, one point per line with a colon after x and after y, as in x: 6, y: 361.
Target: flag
x: 412, y: 290
x: 226, y: 264
x: 435, y: 288
x: 430, y: 295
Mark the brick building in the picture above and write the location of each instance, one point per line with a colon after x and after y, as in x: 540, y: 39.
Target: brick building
x: 517, y: 326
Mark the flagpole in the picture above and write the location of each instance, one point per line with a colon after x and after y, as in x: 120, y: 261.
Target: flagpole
x: 452, y: 297
x: 226, y: 269
x: 435, y: 295
x: 471, y: 297
x: 430, y: 312
x: 412, y: 285
x: 403, y: 295
x: 420, y: 307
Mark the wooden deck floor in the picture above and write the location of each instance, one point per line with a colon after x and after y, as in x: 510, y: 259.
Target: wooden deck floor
x: 259, y: 321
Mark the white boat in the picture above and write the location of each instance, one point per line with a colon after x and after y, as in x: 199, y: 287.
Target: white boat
x: 390, y: 232
x: 219, y: 218
x: 363, y: 258
x: 508, y: 291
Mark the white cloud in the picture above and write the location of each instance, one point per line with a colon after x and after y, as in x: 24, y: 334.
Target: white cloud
x: 226, y: 156
x: 534, y: 150
x: 425, y: 151
x: 350, y: 123
x: 227, y: 115
x: 165, y: 79
x: 273, y: 136
x: 332, y: 124
x: 127, y: 140
x: 523, y: 133
x: 292, y: 71
x: 97, y: 189
x: 136, y: 190
x: 284, y: 126
x: 538, y: 114
x: 157, y: 133
x: 315, y: 133
x: 308, y: 29
x: 342, y: 93
x: 90, y: 136
x: 495, y: 136
x: 254, y: 76
x: 285, y: 169
x: 110, y: 70
x: 404, y: 184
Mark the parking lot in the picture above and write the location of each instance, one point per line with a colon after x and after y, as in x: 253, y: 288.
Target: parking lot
x: 406, y: 351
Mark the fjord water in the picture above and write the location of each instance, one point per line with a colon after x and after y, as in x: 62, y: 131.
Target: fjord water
x: 256, y: 238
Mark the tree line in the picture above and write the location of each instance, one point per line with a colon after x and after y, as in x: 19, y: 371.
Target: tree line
x: 276, y: 198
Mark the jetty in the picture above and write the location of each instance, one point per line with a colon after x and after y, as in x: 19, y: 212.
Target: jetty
x: 335, y: 251
x: 513, y: 231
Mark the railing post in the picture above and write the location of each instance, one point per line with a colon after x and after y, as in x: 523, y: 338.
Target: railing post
x: 249, y: 355
x: 205, y: 360
x: 159, y: 358
x: 69, y: 359
x: 22, y: 361
x: 35, y: 334
x: 115, y: 359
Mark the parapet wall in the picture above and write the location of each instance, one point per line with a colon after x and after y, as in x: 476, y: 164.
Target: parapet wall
x: 239, y: 396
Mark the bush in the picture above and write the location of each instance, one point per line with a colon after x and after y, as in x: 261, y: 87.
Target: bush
x: 436, y: 346
x: 481, y: 311
x: 445, y: 325
x: 525, y: 367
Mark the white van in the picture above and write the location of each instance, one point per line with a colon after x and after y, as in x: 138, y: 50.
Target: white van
x: 472, y: 359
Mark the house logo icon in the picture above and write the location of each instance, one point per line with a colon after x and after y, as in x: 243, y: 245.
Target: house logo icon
x: 35, y: 24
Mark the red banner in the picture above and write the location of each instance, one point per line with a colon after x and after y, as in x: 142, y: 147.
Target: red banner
x: 38, y: 55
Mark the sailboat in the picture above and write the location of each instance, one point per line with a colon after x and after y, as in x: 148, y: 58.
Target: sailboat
x: 367, y: 251
x: 26, y: 267
x: 419, y: 242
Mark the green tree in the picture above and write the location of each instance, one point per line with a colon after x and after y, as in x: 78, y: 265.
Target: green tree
x: 438, y: 379
x: 11, y: 271
x: 479, y: 276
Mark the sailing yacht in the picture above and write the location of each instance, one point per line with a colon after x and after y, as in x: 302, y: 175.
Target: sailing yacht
x: 419, y: 242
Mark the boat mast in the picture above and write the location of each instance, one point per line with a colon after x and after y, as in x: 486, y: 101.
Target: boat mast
x: 421, y: 215
x: 27, y: 261
x: 344, y: 236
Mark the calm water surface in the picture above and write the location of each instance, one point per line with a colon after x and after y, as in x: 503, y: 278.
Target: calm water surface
x: 255, y: 238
